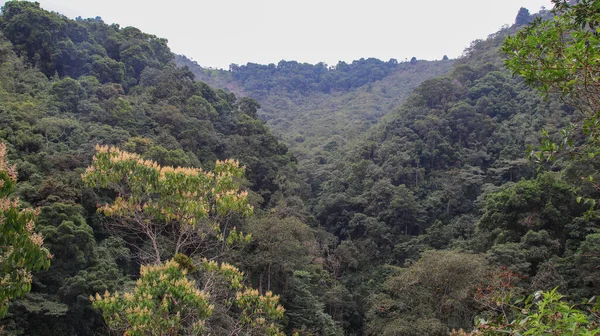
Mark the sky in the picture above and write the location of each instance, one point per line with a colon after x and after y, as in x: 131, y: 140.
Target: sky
x: 217, y: 33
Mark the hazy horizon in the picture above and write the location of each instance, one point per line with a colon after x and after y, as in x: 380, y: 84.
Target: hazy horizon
x: 265, y: 31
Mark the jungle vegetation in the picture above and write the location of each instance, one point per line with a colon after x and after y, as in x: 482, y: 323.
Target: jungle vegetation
x: 141, y: 194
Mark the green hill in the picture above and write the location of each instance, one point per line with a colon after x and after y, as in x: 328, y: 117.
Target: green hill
x: 389, y: 198
x: 442, y: 188
x: 69, y: 85
x: 310, y: 107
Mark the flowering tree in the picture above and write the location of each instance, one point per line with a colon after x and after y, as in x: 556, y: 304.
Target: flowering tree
x: 21, y: 248
x: 175, y: 209
x: 169, y: 207
x: 166, y: 302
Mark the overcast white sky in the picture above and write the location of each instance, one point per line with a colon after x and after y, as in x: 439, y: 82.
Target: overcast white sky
x: 217, y: 33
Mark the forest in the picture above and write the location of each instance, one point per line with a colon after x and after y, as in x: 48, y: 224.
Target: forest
x: 142, y: 194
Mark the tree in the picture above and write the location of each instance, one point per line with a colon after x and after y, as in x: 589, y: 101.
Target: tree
x: 50, y: 126
x: 34, y: 32
x: 174, y: 209
x: 167, y: 302
x: 307, y: 310
x: 166, y: 206
x: 68, y: 93
x: 429, y: 296
x: 557, y: 56
x: 249, y: 106
x: 21, y: 248
x: 278, y: 247
x: 544, y: 313
x: 523, y: 17
x: 546, y: 203
x: 560, y: 56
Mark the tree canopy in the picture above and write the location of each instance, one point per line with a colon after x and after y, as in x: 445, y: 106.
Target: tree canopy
x: 21, y: 247
x: 366, y: 198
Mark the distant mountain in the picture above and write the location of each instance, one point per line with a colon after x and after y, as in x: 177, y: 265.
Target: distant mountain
x: 313, y: 106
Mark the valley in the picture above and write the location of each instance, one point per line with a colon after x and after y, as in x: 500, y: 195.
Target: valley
x: 143, y: 194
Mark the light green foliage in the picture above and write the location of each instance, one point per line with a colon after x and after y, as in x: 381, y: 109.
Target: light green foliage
x: 167, y: 302
x: 184, y: 194
x: 256, y: 313
x: 164, y: 302
x: 560, y: 56
x: 165, y: 202
x: 544, y: 313
x: 162, y: 290
x: 21, y: 247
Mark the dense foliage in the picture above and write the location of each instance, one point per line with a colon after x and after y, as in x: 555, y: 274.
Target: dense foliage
x: 177, y: 207
x: 21, y: 248
x: 413, y: 209
x: 445, y: 170
x: 166, y: 302
x: 68, y: 85
x: 167, y: 208
x: 314, y: 121
x: 304, y: 78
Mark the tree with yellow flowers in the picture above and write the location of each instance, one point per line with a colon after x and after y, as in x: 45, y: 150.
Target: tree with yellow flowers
x: 21, y: 248
x: 176, y: 210
x: 166, y: 302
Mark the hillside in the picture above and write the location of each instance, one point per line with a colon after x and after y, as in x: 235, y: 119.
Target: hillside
x: 442, y: 188
x: 370, y: 198
x: 70, y: 85
x: 312, y: 107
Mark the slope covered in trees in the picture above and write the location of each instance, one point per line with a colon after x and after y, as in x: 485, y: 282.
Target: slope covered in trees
x: 431, y: 220
x: 69, y: 85
x: 448, y: 171
x: 316, y: 108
